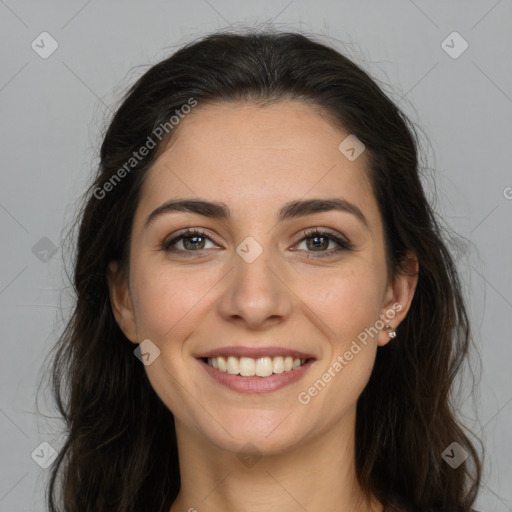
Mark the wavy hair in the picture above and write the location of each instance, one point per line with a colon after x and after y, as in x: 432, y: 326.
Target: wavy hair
x: 120, y: 452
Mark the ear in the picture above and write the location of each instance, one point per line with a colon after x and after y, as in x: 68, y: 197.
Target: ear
x: 398, y: 296
x: 121, y: 301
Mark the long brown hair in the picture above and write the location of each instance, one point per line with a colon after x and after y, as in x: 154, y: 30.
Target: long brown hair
x: 120, y: 451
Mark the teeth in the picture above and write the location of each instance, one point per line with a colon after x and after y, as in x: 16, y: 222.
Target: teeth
x: 278, y: 365
x: 246, y: 366
x: 261, y: 367
x: 264, y: 367
x: 221, y: 362
x: 233, y: 366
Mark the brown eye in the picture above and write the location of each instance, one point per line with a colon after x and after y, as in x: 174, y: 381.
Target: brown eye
x: 318, y: 241
x: 191, y: 241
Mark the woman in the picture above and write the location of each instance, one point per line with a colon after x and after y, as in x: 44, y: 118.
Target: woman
x: 267, y: 317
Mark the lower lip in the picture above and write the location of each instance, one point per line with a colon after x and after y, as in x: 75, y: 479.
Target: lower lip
x: 255, y: 384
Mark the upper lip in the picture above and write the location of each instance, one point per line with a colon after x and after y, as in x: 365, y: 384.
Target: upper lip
x: 254, y: 352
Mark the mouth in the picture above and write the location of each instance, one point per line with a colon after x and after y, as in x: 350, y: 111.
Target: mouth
x: 255, y: 370
x: 250, y: 367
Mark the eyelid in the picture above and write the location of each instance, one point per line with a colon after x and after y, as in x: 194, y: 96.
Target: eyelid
x: 187, y: 232
x: 322, y: 231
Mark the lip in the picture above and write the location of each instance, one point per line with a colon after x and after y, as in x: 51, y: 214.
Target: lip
x: 256, y: 385
x: 255, y: 352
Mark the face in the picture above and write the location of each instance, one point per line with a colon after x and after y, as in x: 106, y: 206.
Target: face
x: 268, y: 315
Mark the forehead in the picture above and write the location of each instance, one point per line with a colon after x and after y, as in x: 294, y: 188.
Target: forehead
x: 255, y: 158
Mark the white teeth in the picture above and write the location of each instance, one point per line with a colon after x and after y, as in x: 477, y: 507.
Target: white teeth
x: 264, y: 367
x: 278, y: 365
x: 261, y: 367
x: 232, y: 365
x: 223, y: 366
x: 247, y: 366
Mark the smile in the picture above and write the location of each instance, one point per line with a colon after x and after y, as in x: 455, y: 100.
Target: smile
x: 250, y: 367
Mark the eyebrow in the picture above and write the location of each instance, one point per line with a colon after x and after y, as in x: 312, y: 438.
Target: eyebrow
x: 293, y: 209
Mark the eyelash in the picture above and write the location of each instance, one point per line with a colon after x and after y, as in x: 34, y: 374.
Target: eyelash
x: 343, y: 245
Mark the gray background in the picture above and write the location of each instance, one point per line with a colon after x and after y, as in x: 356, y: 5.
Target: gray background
x: 53, y: 111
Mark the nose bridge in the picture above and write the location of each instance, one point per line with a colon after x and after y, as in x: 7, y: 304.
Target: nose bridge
x: 255, y: 291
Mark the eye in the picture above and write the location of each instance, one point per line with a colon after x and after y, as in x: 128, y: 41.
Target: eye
x: 317, y: 240
x: 192, y: 240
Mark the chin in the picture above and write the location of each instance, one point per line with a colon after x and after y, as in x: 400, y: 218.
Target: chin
x: 262, y: 432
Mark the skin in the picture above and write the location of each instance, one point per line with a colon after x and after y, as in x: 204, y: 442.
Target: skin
x: 255, y: 159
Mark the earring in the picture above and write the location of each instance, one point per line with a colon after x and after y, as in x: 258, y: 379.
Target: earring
x: 391, y: 331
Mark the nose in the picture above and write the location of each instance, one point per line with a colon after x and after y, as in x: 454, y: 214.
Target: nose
x: 256, y: 293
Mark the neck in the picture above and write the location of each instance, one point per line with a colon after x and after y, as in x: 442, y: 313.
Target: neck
x: 313, y: 476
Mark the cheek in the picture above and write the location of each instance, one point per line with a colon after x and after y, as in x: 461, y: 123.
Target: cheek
x: 164, y: 298
x: 350, y: 307
x: 347, y: 302
x: 167, y: 302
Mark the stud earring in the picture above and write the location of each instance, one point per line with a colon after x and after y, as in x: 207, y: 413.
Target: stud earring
x: 391, y: 331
